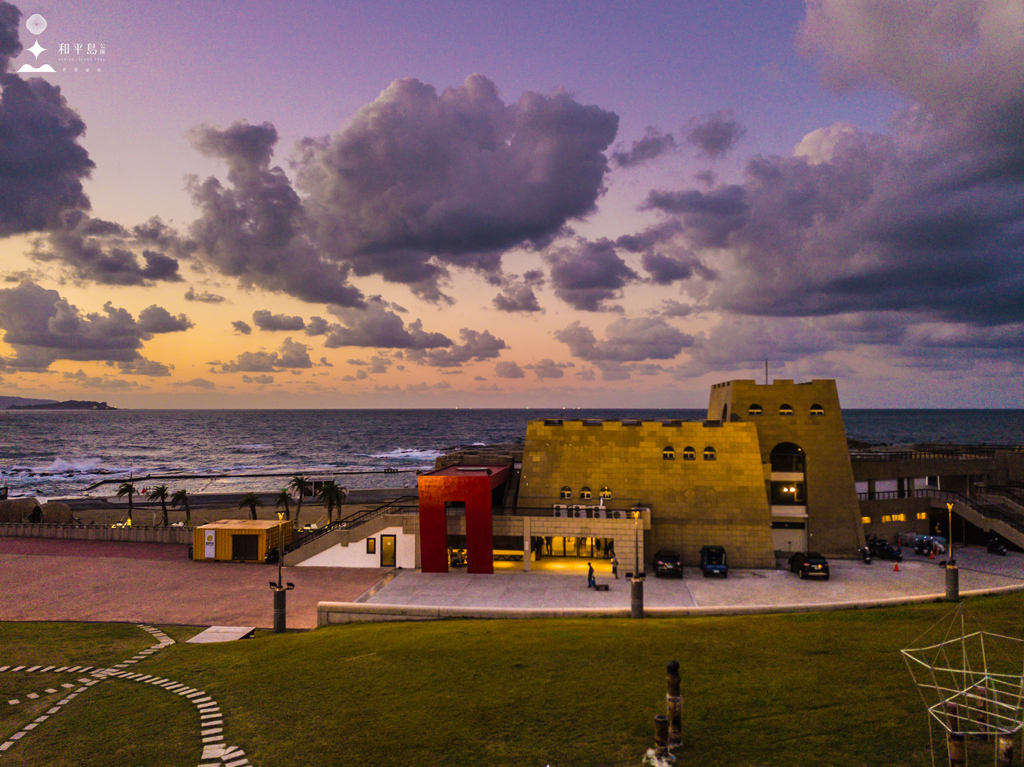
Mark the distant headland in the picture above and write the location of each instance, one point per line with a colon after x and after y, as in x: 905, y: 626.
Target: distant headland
x: 71, y: 404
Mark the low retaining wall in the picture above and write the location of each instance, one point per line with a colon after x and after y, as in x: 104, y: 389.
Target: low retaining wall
x: 134, y: 534
x: 332, y: 613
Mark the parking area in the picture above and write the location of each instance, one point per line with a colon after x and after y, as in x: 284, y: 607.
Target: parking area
x: 47, y: 579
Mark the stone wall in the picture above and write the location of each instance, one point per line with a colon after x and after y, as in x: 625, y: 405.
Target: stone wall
x: 134, y: 534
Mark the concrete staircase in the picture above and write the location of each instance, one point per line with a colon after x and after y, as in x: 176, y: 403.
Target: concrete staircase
x: 989, y: 516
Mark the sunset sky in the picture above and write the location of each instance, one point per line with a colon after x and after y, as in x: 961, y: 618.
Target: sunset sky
x: 543, y: 204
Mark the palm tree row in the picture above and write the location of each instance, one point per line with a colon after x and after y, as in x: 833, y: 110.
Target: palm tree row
x: 158, y: 493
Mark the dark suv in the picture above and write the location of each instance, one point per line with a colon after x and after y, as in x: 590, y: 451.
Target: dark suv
x: 809, y: 565
x: 713, y: 561
x: 668, y: 562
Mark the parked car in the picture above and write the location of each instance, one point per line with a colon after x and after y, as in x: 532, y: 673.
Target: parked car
x: 713, y: 561
x: 809, y: 564
x: 668, y: 562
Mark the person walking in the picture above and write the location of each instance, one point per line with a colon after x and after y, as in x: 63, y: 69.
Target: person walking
x: 615, y: 566
x: 590, y: 576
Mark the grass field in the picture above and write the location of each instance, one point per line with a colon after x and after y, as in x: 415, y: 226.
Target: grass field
x: 828, y: 689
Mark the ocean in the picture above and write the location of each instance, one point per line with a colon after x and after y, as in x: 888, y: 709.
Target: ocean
x: 55, y: 454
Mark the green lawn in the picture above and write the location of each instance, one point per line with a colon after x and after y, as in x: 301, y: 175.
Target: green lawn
x: 826, y: 688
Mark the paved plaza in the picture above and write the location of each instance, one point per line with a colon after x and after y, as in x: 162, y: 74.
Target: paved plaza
x: 850, y: 581
x: 47, y: 579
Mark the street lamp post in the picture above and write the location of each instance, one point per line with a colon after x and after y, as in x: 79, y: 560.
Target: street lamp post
x: 636, y: 585
x: 280, y: 589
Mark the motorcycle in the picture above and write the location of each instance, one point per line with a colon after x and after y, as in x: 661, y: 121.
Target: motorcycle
x: 865, y: 554
x: 996, y: 546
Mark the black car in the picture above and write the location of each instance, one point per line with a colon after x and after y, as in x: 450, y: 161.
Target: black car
x: 668, y: 562
x: 809, y: 564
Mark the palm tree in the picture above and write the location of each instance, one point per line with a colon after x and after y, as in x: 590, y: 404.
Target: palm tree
x: 159, y: 493
x: 299, y: 484
x: 283, y: 499
x: 331, y: 495
x: 250, y: 500
x: 180, y: 498
x: 129, y: 489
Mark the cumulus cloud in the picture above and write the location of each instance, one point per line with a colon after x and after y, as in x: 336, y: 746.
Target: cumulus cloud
x: 548, y: 368
x: 316, y: 326
x: 262, y: 378
x: 476, y: 346
x: 156, y: 319
x: 242, y: 327
x: 203, y: 298
x: 507, y: 369
x: 196, y: 383
x: 85, y: 381
x: 43, y: 327
x: 255, y: 229
x: 294, y: 355
x: 517, y: 298
x: 715, y: 134
x: 588, y: 274
x: 104, y: 252
x: 143, y: 367
x: 626, y: 340
x: 264, y: 320
x: 291, y: 356
x: 653, y: 144
x: 670, y: 308
x: 378, y: 326
x: 420, y: 181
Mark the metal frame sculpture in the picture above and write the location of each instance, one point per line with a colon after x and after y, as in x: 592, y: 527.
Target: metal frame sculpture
x: 972, y: 685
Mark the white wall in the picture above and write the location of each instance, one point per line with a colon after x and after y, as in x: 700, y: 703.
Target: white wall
x: 354, y: 555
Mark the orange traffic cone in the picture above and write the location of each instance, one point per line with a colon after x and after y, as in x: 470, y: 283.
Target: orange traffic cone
x: 896, y: 567
x: 931, y: 554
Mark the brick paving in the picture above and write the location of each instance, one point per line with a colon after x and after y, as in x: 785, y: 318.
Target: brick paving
x: 47, y: 579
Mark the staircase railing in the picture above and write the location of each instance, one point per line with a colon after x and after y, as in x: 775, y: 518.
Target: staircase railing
x: 395, y: 506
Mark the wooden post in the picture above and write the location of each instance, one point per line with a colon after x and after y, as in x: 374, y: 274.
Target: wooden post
x: 675, y: 706
x: 661, y: 736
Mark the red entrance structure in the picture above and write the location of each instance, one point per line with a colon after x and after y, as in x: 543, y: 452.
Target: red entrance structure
x: 472, y: 486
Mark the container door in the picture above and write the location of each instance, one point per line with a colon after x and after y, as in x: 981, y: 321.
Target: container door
x: 245, y: 547
x: 387, y: 551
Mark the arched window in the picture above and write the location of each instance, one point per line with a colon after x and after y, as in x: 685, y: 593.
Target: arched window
x: 606, y: 493
x: 709, y: 454
x: 785, y: 410
x: 817, y: 409
x: 788, y: 458
x: 755, y: 410
x: 689, y: 454
x: 585, y: 494
x: 668, y: 454
x: 566, y: 492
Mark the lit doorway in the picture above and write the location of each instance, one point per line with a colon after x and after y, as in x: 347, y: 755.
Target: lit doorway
x: 387, y: 551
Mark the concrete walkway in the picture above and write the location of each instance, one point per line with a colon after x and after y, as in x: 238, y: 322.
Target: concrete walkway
x: 850, y: 581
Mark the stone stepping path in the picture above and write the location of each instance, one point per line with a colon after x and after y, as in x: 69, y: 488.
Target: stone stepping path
x: 215, y: 752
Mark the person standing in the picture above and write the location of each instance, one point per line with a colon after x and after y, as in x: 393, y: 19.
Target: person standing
x: 590, y: 576
x: 615, y: 566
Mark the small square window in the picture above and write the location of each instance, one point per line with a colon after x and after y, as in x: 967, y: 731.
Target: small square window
x: 371, y: 545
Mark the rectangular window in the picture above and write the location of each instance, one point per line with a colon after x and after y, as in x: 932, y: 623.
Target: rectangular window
x: 865, y: 520
x: 788, y: 494
x: 922, y: 515
x: 371, y: 545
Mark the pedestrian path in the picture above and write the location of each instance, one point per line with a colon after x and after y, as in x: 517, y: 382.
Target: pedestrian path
x: 215, y: 752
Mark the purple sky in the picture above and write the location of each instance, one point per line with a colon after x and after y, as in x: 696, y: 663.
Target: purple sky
x: 273, y: 204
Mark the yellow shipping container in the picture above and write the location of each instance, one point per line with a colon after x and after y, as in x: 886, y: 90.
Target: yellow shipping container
x: 239, y: 540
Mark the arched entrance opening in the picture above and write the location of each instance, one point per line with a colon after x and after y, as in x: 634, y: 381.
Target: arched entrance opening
x: 788, y: 497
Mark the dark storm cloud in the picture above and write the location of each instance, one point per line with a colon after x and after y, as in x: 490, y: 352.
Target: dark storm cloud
x: 476, y: 346
x: 588, y: 274
x: 156, y: 319
x: 665, y: 270
x: 255, y: 229
x: 652, y: 145
x: 714, y: 134
x: 42, y: 327
x: 459, y: 176
x: 378, y: 326
x: 42, y: 164
x: 643, y: 338
x: 507, y: 369
x: 264, y: 320
x: 10, y: 44
x: 203, y: 298
x: 241, y: 326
